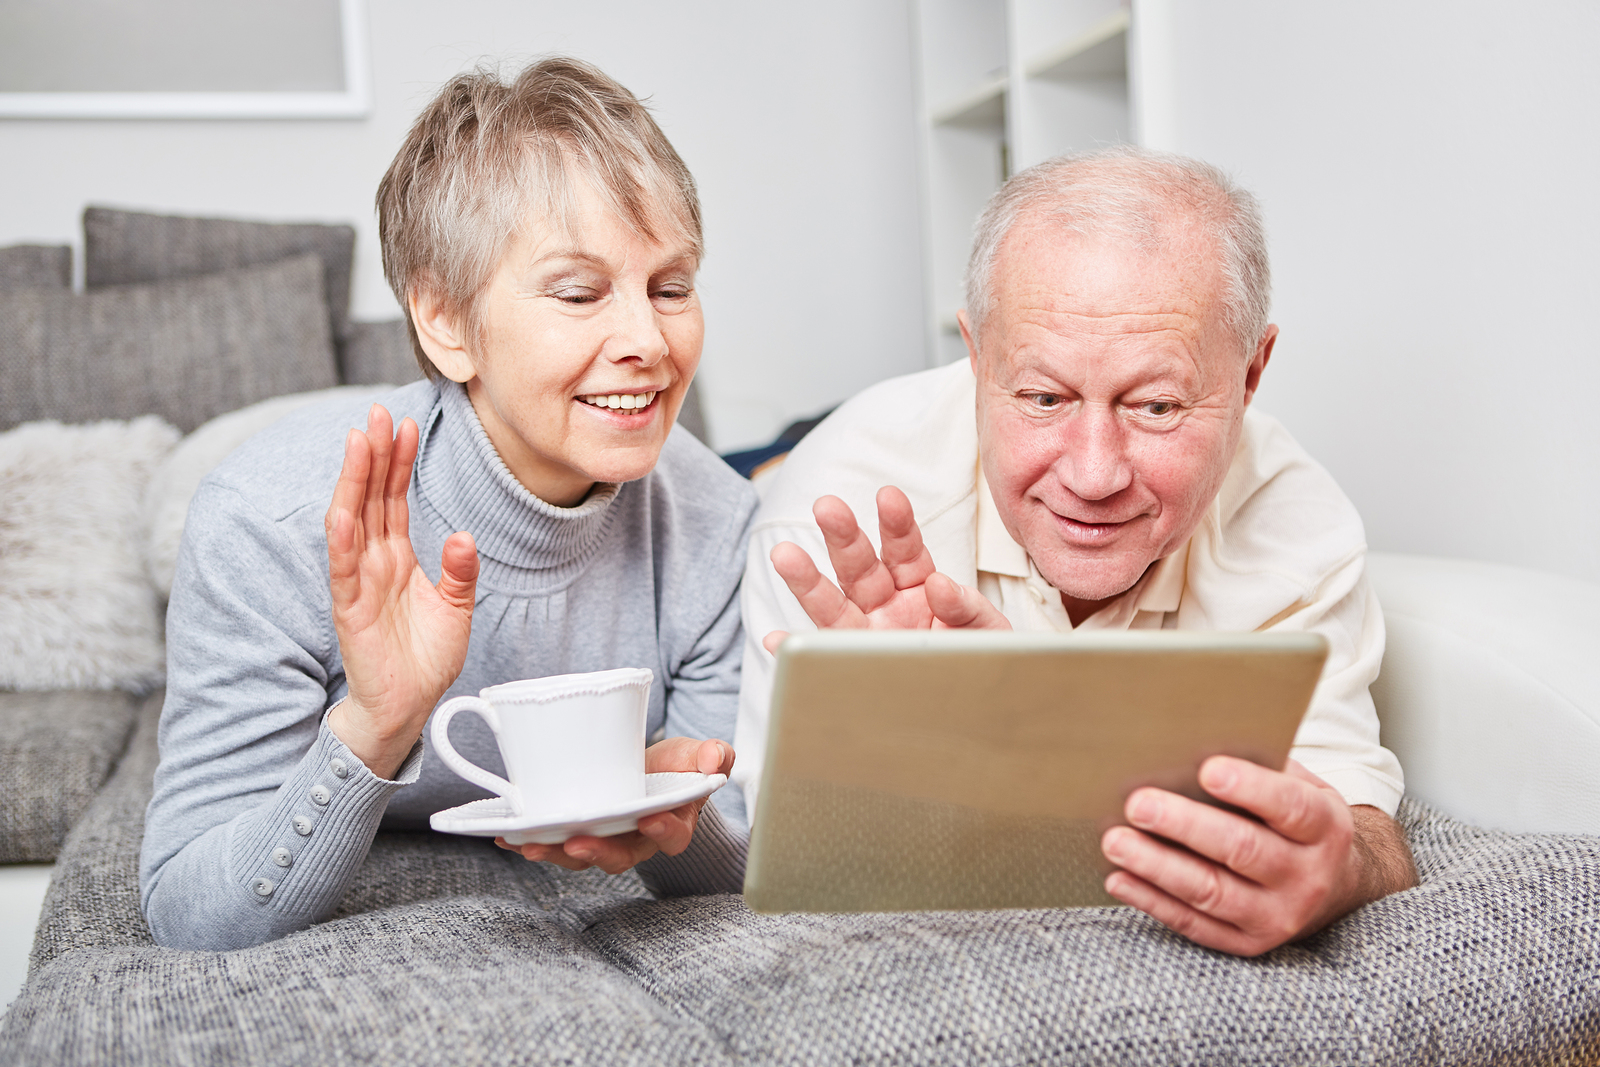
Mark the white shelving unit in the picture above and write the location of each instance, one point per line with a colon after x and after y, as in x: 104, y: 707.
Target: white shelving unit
x: 1006, y: 84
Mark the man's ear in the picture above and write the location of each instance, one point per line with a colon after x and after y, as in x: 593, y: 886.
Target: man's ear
x: 441, y: 335
x: 966, y: 335
x: 1258, y: 363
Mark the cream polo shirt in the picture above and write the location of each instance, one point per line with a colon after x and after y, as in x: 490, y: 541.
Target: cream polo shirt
x: 1280, y: 548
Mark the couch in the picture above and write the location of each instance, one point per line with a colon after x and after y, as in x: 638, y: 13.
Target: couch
x: 448, y: 950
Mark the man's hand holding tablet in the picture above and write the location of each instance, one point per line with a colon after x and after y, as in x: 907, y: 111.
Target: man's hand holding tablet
x: 1219, y: 878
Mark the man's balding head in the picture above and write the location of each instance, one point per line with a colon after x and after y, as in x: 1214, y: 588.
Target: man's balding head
x: 1150, y: 201
x: 1117, y: 321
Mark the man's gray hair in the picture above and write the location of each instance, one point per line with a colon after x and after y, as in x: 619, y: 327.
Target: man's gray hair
x: 1136, y: 193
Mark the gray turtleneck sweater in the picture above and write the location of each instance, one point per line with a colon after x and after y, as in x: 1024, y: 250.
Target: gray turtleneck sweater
x: 261, y: 816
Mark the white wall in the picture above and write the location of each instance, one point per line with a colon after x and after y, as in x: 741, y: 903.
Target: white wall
x: 797, y: 121
x: 1431, y: 178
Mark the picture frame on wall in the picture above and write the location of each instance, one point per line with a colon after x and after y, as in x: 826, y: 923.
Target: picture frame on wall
x: 183, y: 59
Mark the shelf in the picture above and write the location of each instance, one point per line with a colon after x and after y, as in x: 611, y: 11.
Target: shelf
x: 983, y: 107
x: 1004, y: 84
x: 1099, y: 52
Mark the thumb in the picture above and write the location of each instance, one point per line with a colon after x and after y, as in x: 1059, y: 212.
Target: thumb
x: 458, y: 570
x: 714, y: 757
x: 960, y: 607
x: 773, y: 640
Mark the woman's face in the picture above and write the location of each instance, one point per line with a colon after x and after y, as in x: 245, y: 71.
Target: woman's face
x: 591, y: 338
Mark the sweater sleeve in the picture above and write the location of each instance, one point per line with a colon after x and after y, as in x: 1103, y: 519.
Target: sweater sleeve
x: 260, y: 816
x: 703, y: 702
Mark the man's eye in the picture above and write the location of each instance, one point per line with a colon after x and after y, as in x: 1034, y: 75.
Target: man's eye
x: 1160, y: 407
x: 1046, y: 400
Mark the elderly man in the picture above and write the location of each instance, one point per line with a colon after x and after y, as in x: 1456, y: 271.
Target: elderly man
x: 1094, y: 466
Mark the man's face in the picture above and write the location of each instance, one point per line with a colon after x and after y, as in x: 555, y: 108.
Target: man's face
x: 1111, y: 396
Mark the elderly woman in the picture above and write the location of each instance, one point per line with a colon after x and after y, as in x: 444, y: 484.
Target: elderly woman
x: 543, y: 237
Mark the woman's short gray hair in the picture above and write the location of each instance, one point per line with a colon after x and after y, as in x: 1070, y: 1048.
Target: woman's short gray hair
x: 488, y: 154
x: 1135, y: 193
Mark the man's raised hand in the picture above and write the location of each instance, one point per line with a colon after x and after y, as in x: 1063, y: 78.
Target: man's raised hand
x: 896, y: 588
x: 403, y: 639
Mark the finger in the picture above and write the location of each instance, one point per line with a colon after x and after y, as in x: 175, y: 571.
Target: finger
x: 904, y: 555
x: 1301, y: 810
x: 715, y: 757
x: 962, y: 607
x: 862, y: 576
x: 397, y: 510
x: 343, y: 521
x: 672, y: 830
x: 458, y: 571
x: 1242, y: 845
x: 380, y: 443
x: 611, y: 854
x: 1179, y: 917
x: 535, y: 853
x: 554, y: 854
x: 1207, y: 887
x: 821, y: 600
x: 711, y: 756
x: 773, y: 640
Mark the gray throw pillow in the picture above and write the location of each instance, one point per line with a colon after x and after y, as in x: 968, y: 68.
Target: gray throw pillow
x: 36, y: 267
x: 379, y: 352
x: 123, y: 247
x: 185, y: 350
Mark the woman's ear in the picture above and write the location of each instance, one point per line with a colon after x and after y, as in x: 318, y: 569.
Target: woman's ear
x: 442, y: 336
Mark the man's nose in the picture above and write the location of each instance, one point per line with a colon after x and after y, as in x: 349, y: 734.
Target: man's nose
x: 1094, y: 461
x: 636, y: 331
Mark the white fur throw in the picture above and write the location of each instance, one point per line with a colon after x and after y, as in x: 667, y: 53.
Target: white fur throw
x: 76, y: 607
x: 179, y: 475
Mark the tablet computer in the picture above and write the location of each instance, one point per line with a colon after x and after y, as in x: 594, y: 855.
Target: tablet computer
x: 910, y: 770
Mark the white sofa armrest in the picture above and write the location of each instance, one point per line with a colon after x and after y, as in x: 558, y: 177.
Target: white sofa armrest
x: 1490, y: 690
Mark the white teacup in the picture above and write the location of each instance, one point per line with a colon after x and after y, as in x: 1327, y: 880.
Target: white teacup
x: 572, y: 744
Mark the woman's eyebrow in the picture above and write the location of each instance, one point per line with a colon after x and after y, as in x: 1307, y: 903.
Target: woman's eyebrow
x: 574, y: 254
x: 555, y: 256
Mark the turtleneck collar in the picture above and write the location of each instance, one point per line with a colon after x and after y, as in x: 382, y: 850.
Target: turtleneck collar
x: 525, y: 544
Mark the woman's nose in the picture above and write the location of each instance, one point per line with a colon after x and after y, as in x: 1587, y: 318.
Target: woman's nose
x: 636, y: 331
x: 1094, y: 461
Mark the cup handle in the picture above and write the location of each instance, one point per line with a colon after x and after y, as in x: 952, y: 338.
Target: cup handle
x: 458, y: 763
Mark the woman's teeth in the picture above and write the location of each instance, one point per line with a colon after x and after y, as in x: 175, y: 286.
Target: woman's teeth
x: 625, y: 401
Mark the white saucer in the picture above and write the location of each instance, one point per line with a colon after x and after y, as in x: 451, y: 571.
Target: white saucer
x: 495, y: 817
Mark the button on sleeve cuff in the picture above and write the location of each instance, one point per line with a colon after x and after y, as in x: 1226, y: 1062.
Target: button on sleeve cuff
x: 299, y: 855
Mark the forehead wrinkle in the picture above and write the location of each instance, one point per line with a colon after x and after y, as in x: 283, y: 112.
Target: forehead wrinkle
x: 1160, y: 349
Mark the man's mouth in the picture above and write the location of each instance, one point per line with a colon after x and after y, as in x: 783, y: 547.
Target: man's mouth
x: 620, y: 401
x: 1089, y: 532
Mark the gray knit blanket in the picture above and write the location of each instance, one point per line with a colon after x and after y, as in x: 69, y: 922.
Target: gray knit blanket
x: 449, y: 951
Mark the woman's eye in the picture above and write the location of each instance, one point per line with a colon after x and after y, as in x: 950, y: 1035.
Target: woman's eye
x: 577, y: 296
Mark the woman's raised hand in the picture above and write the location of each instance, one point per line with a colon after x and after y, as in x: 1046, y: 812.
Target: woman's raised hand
x: 896, y: 588
x: 403, y: 639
